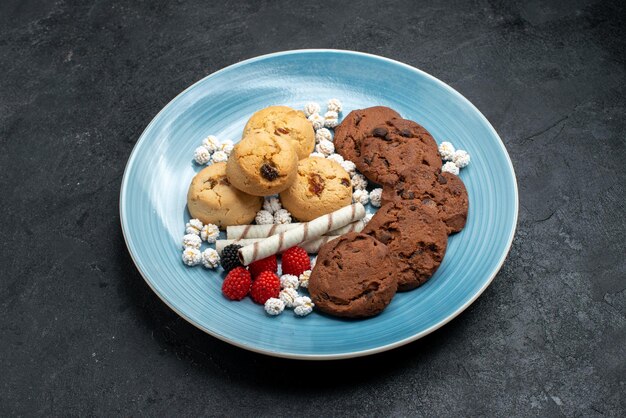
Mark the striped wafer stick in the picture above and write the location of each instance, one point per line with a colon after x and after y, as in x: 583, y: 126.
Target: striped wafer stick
x: 264, y: 231
x: 311, y: 247
x: 303, y: 232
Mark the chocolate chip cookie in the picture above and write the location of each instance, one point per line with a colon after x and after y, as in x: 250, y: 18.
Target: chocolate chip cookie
x: 321, y: 186
x: 444, y: 192
x: 212, y: 199
x: 356, y: 126
x: 348, y: 280
x: 416, y: 238
x: 286, y: 123
x: 395, y: 146
x: 262, y: 164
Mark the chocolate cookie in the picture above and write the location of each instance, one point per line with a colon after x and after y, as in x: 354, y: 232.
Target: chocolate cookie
x: 416, y: 239
x: 356, y: 126
x: 443, y: 191
x: 394, y: 146
x: 348, y: 280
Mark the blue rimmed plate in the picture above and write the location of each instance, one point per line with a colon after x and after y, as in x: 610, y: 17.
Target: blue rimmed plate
x: 154, y: 188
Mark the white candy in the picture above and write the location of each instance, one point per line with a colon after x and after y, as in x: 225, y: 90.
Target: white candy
x: 450, y: 167
x: 375, y: 197
x: 367, y: 218
x: 191, y: 241
x: 312, y: 108
x: 317, y: 154
x: 304, y: 278
x: 193, y: 226
x: 336, y: 158
x: 303, y: 306
x: 210, y: 258
x: 317, y: 120
x: 288, y: 296
x: 323, y: 134
x: 331, y: 119
x: 209, y: 233
x: 227, y: 146
x: 192, y: 256
x: 274, y: 306
x: 282, y: 216
x: 349, y: 166
x: 359, y: 182
x: 334, y: 105
x: 361, y: 196
x: 201, y: 155
x: 219, y: 157
x: 289, y: 281
x: 325, y: 147
x: 461, y: 158
x: 210, y: 143
x: 446, y: 150
x: 272, y: 204
x: 264, y: 217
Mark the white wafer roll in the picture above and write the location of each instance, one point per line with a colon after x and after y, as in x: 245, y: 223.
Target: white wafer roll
x: 256, y: 231
x: 221, y: 243
x: 304, y: 232
x: 356, y: 226
x: 264, y: 231
x: 311, y: 247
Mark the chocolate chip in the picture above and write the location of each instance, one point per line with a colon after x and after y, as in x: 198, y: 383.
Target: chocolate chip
x: 269, y: 172
x: 405, y: 133
x: 441, y: 179
x: 411, y: 195
x: 416, y: 253
x: 316, y: 184
x: 211, y: 182
x: 380, y: 132
x: 384, y: 237
x: 367, y: 161
x: 345, y: 182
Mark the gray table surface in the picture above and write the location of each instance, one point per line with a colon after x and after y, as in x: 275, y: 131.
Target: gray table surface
x: 82, y: 334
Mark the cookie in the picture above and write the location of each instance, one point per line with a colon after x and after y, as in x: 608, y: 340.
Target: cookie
x: 348, y: 280
x: 287, y: 123
x: 443, y: 191
x: 395, y: 146
x: 321, y: 186
x: 212, y: 199
x: 357, y: 125
x: 262, y: 164
x: 416, y: 238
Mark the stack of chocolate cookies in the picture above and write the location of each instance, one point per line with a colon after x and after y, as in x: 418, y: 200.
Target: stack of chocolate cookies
x: 405, y: 242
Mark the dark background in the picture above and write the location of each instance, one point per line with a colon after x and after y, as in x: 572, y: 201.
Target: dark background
x: 82, y: 334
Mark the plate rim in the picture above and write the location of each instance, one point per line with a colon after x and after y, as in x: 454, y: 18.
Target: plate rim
x: 337, y: 356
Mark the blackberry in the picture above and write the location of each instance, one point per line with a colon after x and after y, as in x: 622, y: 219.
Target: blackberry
x: 230, y: 258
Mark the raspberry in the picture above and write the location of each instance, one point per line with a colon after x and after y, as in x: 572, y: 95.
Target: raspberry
x: 237, y: 284
x: 265, y: 264
x: 295, y: 261
x: 230, y: 258
x: 266, y: 285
